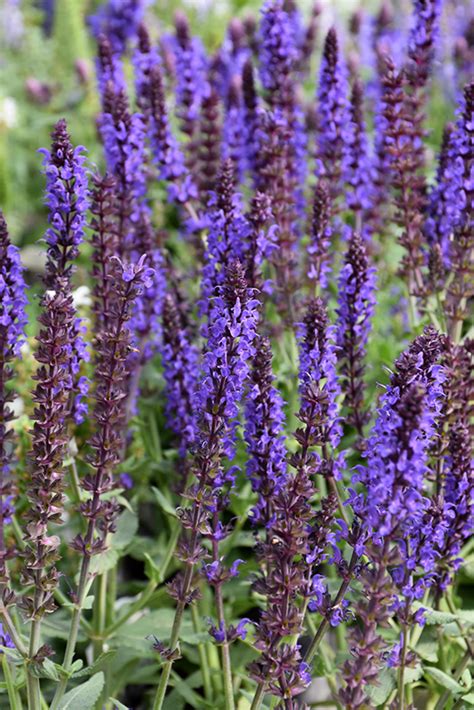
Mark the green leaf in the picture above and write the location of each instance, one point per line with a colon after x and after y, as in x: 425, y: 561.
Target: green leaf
x: 84, y: 696
x: 428, y: 651
x: 191, y: 697
x: 103, y: 562
x: 386, y: 683
x: 127, y: 526
x: 117, y: 704
x: 166, y: 506
x: 152, y: 570
x: 445, y: 680
x: 97, y: 665
x: 469, y: 698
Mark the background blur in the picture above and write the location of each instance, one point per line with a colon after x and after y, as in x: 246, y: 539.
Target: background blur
x: 47, y: 71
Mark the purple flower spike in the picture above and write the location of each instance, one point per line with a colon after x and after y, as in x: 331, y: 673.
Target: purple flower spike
x: 180, y: 370
x: 335, y: 132
x: 67, y: 198
x: 356, y: 288
x: 12, y: 328
x: 119, y: 21
x: 266, y: 466
x: 318, y: 379
x: 320, y: 236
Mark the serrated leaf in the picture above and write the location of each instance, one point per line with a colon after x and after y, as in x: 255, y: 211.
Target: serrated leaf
x: 166, y: 506
x: 445, y: 680
x: 84, y: 696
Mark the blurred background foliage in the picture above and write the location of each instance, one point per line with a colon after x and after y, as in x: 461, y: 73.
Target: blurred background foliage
x: 47, y: 71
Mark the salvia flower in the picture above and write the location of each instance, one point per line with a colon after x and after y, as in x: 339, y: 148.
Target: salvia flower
x: 356, y: 288
x: 402, y: 145
x: 111, y: 347
x: 461, y: 286
x: 360, y: 170
x: 12, y: 327
x: 165, y: 150
x: 67, y: 198
x: 180, y: 370
x: 317, y: 372
x: 333, y: 117
x: 45, y: 484
x: 119, y: 21
x: 227, y: 238
x: 192, y: 85
x: 264, y: 418
x: 320, y: 237
x: 278, y: 53
x: 67, y: 201
x: 232, y: 320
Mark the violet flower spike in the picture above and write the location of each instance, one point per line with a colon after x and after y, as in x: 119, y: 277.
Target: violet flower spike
x: 67, y: 198
x: 180, y: 370
x: 12, y: 330
x: 335, y: 132
x: 356, y: 286
x: 264, y: 417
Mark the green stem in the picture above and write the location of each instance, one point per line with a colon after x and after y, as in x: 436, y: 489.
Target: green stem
x: 463, y: 664
x: 12, y: 632
x: 167, y: 666
x: 147, y: 593
x: 13, y: 697
x: 258, y: 697
x: 401, y: 672
x: 206, y: 677
x: 99, y: 612
x: 73, y: 632
x: 33, y: 681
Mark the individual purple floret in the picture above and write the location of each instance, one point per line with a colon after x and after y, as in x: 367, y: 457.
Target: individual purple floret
x: 264, y: 420
x: 335, y: 133
x: 119, y: 21
x: 180, y: 371
x: 356, y: 287
x: 12, y: 330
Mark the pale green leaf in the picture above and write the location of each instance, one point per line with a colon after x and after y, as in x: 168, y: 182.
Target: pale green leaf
x: 84, y: 696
